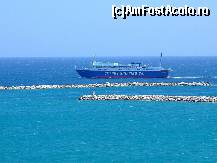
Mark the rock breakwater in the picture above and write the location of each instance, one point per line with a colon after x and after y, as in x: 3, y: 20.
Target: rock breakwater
x: 210, y: 99
x: 107, y: 84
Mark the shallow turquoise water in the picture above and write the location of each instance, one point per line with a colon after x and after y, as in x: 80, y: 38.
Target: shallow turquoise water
x: 54, y: 126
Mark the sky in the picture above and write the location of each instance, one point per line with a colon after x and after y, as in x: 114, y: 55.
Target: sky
x: 78, y: 28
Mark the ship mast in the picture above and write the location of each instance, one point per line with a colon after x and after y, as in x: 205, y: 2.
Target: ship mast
x: 161, y: 55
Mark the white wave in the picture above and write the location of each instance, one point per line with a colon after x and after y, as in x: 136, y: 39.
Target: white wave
x: 186, y: 77
x: 192, y: 77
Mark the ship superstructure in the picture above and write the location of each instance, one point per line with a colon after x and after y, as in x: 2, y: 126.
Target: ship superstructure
x: 117, y: 70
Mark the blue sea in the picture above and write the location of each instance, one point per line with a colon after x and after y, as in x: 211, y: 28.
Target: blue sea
x: 53, y: 126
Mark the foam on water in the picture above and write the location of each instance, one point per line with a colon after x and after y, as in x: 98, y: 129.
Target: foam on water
x: 187, y: 77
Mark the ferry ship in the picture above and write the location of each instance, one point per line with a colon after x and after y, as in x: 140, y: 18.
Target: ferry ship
x: 117, y: 70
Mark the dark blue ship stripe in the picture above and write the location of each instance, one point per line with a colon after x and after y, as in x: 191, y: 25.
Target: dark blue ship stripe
x: 123, y: 74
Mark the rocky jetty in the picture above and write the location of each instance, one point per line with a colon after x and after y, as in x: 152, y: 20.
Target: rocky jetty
x: 107, y: 84
x: 210, y: 99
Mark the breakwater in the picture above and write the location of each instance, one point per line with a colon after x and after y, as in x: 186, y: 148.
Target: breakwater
x: 107, y: 84
x: 210, y: 99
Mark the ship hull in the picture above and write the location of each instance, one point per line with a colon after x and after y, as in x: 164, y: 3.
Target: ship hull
x: 123, y: 74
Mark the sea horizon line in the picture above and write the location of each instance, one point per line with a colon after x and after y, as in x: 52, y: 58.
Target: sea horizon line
x: 51, y: 57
